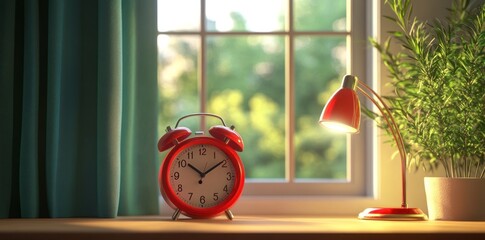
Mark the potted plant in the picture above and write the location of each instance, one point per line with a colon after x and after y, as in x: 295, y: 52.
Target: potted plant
x: 438, y: 78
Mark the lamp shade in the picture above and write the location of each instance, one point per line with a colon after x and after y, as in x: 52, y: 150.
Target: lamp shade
x: 342, y: 111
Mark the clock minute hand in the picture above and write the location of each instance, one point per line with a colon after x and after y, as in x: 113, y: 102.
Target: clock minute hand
x: 197, y: 170
x: 213, y: 167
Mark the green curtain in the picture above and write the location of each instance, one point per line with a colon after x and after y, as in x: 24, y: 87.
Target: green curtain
x: 78, y: 108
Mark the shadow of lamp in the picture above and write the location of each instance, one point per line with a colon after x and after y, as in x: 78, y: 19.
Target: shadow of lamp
x: 342, y: 113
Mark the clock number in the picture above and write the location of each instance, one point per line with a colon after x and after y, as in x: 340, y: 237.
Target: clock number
x: 179, y: 188
x: 182, y: 164
x: 225, y: 189
x: 214, y: 155
x: 224, y: 164
x: 202, y: 151
x: 190, y: 155
x: 216, y: 196
x: 176, y: 175
x: 229, y: 176
x: 191, y: 194
x: 202, y: 199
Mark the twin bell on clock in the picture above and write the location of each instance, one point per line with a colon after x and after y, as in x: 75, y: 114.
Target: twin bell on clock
x: 201, y: 176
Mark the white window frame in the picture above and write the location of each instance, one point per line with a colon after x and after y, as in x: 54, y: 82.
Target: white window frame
x: 325, y: 197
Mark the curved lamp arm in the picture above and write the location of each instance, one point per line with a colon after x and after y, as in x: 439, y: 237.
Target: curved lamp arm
x: 391, y: 123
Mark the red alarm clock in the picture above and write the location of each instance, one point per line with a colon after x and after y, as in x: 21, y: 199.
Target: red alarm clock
x: 202, y: 176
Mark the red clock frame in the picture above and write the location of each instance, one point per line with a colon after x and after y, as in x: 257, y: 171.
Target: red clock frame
x: 170, y: 195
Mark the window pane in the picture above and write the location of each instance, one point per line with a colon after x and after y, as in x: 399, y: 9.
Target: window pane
x: 246, y: 85
x: 180, y: 15
x: 177, y: 80
x: 245, y: 79
x: 319, y: 65
x: 320, y: 15
x: 248, y: 15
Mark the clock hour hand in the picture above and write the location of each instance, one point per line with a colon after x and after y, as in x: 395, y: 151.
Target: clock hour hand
x: 213, y: 167
x: 197, y: 170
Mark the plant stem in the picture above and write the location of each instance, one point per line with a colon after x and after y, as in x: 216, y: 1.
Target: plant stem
x: 453, y: 167
x: 483, y: 168
x: 477, y: 168
x: 446, y: 166
x: 470, y: 168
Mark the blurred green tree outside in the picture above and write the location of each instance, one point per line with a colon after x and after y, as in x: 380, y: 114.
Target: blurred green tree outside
x: 246, y: 86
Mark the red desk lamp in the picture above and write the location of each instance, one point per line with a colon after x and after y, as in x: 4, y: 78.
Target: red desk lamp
x: 342, y: 113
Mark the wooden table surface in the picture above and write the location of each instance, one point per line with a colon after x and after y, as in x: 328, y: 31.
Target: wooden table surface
x: 242, y: 227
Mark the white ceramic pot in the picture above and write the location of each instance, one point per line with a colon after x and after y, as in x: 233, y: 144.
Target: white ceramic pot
x: 455, y: 198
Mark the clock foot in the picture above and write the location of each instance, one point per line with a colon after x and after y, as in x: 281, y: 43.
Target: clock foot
x: 229, y: 214
x: 176, y: 214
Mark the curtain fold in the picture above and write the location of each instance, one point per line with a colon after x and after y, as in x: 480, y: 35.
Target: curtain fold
x: 79, y: 107
x: 109, y: 107
x: 28, y: 174
x: 140, y: 110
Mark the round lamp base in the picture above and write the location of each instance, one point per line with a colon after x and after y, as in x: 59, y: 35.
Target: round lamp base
x: 393, y: 214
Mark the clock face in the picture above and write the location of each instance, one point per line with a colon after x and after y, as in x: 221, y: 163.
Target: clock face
x: 202, y: 175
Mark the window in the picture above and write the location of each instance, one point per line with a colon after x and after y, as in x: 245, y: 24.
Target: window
x: 268, y: 66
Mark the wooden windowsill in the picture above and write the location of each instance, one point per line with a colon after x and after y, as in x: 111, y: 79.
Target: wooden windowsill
x: 242, y: 227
